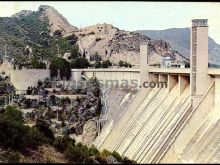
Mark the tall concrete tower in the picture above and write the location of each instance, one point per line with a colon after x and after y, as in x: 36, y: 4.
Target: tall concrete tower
x: 199, y: 59
x: 144, y: 74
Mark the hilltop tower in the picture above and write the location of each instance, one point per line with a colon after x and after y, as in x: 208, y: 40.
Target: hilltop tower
x: 199, y: 59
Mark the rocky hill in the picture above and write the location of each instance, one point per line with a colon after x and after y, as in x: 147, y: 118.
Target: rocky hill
x: 35, y: 29
x: 56, y: 20
x: 110, y: 42
x: 179, y: 39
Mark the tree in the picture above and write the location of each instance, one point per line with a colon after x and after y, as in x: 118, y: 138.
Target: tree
x: 43, y: 127
x: 121, y: 63
x: 38, y: 64
x: 97, y: 64
x: 17, y: 136
x: 80, y: 63
x: 75, y: 52
x: 57, y: 33
x: 13, y: 114
x: 125, y: 64
x: 62, y: 65
x: 106, y: 63
x: 62, y: 143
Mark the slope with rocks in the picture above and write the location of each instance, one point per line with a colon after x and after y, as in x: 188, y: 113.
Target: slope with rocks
x: 32, y: 28
x: 56, y: 20
x: 110, y: 42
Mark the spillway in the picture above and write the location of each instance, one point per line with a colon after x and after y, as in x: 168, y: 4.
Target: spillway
x: 144, y: 127
x: 204, y: 145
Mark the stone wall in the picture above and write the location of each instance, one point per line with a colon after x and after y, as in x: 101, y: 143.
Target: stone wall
x: 22, y: 79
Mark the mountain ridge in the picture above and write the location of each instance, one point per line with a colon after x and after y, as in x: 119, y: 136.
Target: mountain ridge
x: 179, y: 39
x: 31, y: 28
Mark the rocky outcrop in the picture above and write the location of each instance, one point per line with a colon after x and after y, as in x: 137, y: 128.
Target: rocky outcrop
x: 85, y: 113
x: 56, y: 20
x: 114, y: 44
x: 89, y: 132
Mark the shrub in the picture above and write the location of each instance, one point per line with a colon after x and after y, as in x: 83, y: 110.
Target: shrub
x: 13, y: 114
x: 125, y: 64
x: 106, y: 64
x: 11, y: 156
x: 105, y: 153
x: 117, y: 156
x: 79, y: 63
x: 74, y: 153
x: 57, y: 33
x: 15, y: 135
x: 62, y: 143
x: 43, y: 127
x: 47, y: 83
x: 38, y: 64
x: 92, y: 33
x: 97, y: 64
x: 98, y: 39
x: 93, y: 151
x: 34, y: 138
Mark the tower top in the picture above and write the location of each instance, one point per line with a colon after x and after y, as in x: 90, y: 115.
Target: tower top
x: 200, y: 22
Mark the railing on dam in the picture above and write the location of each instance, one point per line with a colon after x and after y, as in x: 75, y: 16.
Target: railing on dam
x: 107, y: 70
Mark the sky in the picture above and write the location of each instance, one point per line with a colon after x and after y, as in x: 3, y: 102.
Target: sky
x: 129, y: 16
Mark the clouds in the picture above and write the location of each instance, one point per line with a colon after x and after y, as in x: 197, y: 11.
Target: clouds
x: 129, y: 15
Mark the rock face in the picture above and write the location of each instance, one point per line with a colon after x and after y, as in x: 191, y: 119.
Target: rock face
x: 110, y: 42
x: 89, y: 132
x: 85, y: 113
x: 56, y: 20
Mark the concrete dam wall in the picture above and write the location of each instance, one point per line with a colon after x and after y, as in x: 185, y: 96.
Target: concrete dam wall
x: 148, y: 121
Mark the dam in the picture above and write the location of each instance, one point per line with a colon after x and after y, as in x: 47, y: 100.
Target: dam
x: 176, y: 124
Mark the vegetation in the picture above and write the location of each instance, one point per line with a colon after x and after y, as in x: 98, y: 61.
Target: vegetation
x: 98, y: 39
x: 92, y: 33
x: 79, y: 63
x: 17, y: 136
x: 61, y: 65
x: 106, y: 64
x: 124, y: 64
x: 97, y: 64
x: 103, y: 64
x: 79, y: 153
x: 57, y: 33
x: 38, y: 64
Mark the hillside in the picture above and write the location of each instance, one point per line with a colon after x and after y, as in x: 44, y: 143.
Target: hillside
x: 30, y: 34
x: 179, y: 39
x: 115, y: 44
